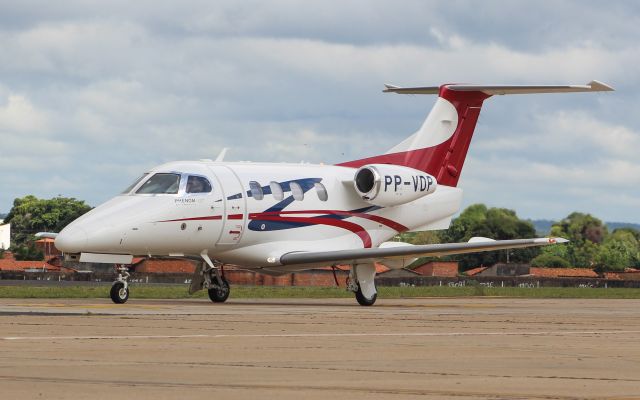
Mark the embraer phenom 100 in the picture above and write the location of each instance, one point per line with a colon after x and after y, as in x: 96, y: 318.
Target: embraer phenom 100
x: 278, y: 218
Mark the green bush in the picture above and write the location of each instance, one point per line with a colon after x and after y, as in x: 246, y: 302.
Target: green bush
x: 550, y: 260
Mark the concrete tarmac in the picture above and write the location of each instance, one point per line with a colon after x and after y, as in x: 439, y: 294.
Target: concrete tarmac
x: 444, y: 348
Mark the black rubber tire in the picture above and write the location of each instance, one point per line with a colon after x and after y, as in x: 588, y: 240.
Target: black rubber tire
x: 118, y: 293
x: 363, y: 301
x: 220, y: 295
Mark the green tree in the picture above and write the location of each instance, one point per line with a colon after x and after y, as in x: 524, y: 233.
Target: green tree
x: 425, y: 237
x: 495, y: 223
x: 580, y: 227
x: 585, y: 234
x: 550, y: 260
x: 619, y: 251
x: 30, y: 215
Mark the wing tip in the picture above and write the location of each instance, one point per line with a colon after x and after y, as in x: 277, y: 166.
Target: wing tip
x: 597, y: 86
x: 388, y: 88
x: 552, y: 240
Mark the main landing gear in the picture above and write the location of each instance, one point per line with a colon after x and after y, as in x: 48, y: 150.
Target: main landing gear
x: 210, y: 275
x: 361, y: 281
x: 120, y: 289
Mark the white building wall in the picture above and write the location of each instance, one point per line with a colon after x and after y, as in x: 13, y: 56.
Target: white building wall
x: 5, y: 234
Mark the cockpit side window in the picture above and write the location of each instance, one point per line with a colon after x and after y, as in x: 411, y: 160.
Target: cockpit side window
x: 198, y: 184
x: 135, y: 183
x: 161, y: 183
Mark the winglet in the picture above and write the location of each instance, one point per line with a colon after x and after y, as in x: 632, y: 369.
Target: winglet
x: 597, y: 86
x: 388, y: 87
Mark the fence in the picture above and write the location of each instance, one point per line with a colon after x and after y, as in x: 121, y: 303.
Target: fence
x: 314, y: 278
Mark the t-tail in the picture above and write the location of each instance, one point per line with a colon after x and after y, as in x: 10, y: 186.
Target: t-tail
x: 440, y: 146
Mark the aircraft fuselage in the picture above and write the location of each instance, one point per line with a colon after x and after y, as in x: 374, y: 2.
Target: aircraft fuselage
x: 253, y: 211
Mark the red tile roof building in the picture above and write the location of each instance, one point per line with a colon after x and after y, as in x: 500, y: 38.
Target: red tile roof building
x: 438, y: 268
x: 49, y: 264
x: 475, y: 271
x: 164, y: 265
x: 563, y: 272
x: 47, y: 247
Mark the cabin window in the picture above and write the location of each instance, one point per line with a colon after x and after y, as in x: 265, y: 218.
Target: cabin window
x: 296, y: 191
x: 276, y: 190
x: 135, y: 183
x: 161, y: 183
x: 256, y: 190
x: 321, y: 191
x: 198, y: 184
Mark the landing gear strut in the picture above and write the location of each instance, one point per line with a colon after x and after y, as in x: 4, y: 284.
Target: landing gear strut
x: 120, y: 290
x: 361, y: 281
x: 210, y: 276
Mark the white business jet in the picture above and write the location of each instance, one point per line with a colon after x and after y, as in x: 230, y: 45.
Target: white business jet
x: 277, y: 218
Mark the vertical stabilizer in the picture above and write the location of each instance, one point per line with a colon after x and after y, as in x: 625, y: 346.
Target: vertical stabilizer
x: 440, y: 146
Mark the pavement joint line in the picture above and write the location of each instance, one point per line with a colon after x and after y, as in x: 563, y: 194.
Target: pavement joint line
x: 321, y: 335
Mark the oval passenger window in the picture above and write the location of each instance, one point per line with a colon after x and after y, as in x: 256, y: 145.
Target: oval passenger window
x: 321, y: 191
x: 256, y: 190
x: 296, y: 191
x: 276, y: 190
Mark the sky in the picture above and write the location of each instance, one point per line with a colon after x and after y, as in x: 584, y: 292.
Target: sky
x: 92, y: 94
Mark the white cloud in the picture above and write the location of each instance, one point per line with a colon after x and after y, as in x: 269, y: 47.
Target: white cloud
x: 110, y: 95
x: 18, y: 114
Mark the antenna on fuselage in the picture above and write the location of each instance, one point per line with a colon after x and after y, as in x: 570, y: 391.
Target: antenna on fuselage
x: 223, y: 153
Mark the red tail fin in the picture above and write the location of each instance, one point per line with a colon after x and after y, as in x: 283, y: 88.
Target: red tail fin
x: 440, y: 147
x: 444, y: 158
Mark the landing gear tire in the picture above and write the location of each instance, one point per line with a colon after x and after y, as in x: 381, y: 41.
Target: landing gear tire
x: 220, y: 294
x: 119, y: 293
x: 363, y: 301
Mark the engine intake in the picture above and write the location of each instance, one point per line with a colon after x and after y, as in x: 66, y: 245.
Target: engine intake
x: 387, y: 185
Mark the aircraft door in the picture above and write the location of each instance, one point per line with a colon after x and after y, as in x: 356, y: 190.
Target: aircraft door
x: 234, y: 199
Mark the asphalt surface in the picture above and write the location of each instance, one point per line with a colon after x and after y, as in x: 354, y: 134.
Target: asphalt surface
x: 462, y: 348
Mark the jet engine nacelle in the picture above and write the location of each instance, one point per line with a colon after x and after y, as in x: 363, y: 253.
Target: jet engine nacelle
x: 387, y: 185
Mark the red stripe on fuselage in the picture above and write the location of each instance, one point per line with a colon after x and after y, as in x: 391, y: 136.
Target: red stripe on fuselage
x: 212, y: 217
x: 276, y: 216
x: 357, y: 229
x: 381, y: 220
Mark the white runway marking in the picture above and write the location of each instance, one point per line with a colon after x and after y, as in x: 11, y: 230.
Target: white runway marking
x: 103, y: 337
x: 323, y: 335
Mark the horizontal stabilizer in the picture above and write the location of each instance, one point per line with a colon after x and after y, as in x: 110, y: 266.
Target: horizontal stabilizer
x: 593, y: 86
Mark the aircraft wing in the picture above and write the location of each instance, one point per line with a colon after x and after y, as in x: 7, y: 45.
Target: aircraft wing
x: 401, y: 252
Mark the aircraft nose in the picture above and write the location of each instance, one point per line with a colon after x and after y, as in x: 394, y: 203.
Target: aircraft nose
x: 71, y: 240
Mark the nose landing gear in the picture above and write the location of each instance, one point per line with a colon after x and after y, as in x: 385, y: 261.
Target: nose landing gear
x: 120, y: 289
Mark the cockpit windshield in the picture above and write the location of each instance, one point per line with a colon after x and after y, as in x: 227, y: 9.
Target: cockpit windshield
x: 161, y: 183
x: 130, y: 187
